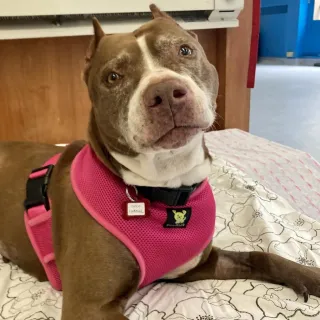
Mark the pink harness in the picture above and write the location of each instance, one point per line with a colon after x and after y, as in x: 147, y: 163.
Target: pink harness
x: 162, y: 241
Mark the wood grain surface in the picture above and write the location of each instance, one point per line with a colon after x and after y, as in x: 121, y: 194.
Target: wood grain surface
x: 43, y: 98
x: 233, y: 53
x: 42, y: 95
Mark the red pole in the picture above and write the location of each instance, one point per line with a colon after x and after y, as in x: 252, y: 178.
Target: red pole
x: 254, y: 43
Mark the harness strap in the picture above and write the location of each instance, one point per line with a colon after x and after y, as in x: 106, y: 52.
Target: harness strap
x: 38, y: 222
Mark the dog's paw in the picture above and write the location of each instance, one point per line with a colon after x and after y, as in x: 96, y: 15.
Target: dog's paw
x: 306, y: 282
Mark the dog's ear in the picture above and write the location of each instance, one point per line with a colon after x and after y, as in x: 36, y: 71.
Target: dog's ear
x: 98, y: 32
x: 193, y: 34
x: 157, y: 13
x: 98, y: 35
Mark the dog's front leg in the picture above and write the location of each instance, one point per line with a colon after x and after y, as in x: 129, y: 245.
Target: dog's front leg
x: 88, y: 305
x: 90, y: 310
x: 224, y: 265
x: 98, y: 291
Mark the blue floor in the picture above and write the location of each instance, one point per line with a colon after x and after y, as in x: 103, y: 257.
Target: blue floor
x: 285, y: 106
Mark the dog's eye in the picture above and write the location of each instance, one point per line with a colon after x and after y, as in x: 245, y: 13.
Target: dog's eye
x: 185, y: 51
x: 113, y: 77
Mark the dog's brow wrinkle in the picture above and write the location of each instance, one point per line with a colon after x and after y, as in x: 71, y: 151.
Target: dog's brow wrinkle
x: 121, y: 58
x: 169, y: 40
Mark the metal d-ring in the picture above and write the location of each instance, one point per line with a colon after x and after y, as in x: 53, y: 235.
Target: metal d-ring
x: 128, y: 193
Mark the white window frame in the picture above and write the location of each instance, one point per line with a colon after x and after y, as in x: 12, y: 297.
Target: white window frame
x: 316, y: 11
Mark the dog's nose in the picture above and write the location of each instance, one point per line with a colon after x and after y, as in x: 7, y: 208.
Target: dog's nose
x: 167, y: 93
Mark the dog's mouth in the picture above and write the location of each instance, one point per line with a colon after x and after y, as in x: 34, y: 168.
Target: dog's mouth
x: 177, y: 137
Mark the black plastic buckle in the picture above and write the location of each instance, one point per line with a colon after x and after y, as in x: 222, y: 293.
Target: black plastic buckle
x: 182, y: 196
x: 37, y: 189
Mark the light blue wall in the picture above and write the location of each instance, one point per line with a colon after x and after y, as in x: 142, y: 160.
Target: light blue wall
x: 273, y: 28
x: 287, y: 26
x: 302, y: 27
x: 310, y: 44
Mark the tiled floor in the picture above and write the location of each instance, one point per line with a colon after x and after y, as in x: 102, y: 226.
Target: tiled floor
x: 285, y: 106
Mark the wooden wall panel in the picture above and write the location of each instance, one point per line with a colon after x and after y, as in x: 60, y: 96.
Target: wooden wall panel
x: 42, y: 96
x: 207, y: 38
x: 233, y: 51
x: 43, y: 99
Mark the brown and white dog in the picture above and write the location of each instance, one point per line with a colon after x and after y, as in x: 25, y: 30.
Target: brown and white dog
x: 153, y: 94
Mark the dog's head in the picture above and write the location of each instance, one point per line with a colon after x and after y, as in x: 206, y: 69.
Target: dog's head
x: 151, y: 89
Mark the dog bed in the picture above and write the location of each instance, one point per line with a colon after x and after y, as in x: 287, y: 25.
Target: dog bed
x: 268, y: 199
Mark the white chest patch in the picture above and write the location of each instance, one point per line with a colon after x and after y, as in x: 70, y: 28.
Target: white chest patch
x: 170, y: 169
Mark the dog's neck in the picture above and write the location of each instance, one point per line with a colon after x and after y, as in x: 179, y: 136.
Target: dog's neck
x: 173, y: 168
